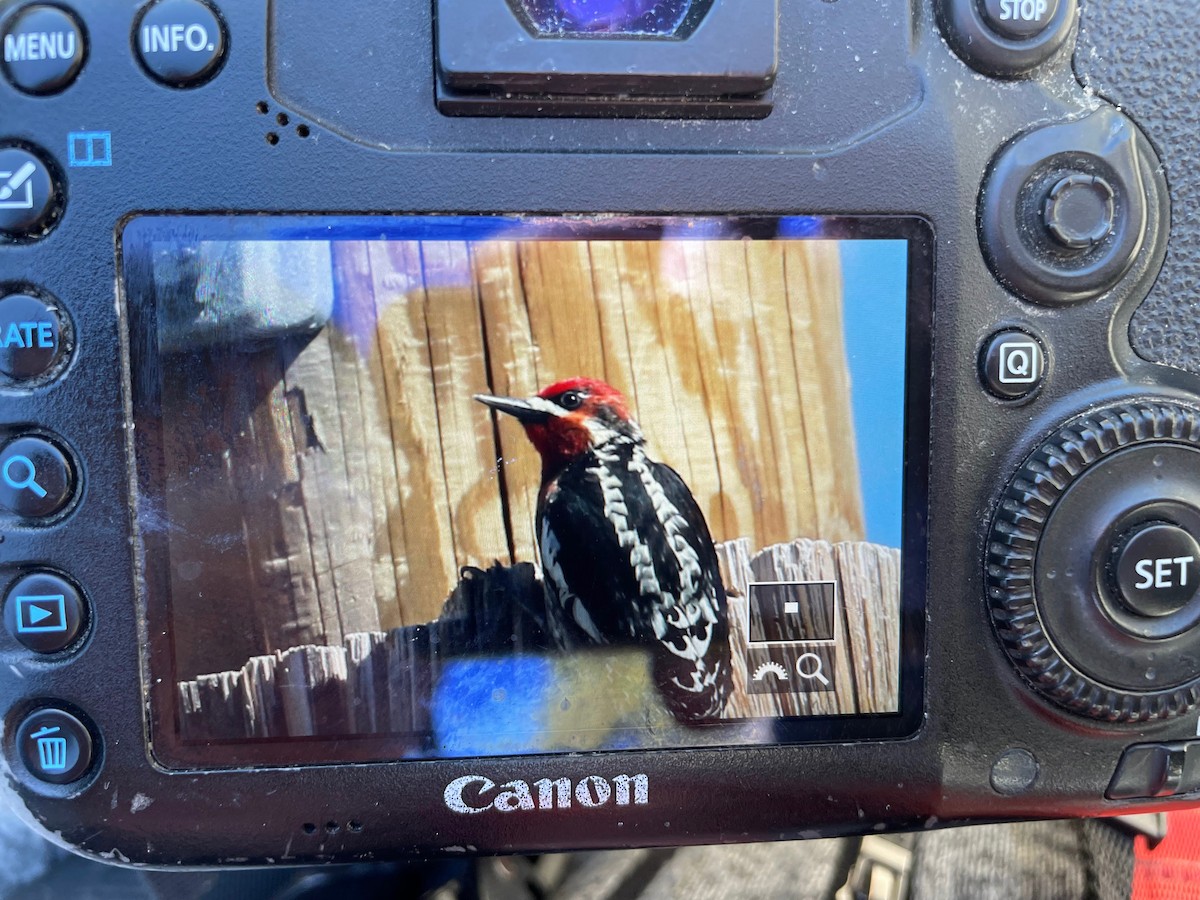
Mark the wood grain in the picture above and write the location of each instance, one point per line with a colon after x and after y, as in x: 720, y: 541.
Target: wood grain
x: 378, y: 683
x: 354, y: 476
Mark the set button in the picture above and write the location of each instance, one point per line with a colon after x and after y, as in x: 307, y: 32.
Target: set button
x: 55, y: 746
x: 1158, y: 569
x: 44, y: 49
x: 37, y: 479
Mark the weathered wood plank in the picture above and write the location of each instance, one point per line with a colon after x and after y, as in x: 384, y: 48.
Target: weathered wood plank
x: 458, y: 363
x: 513, y: 372
x: 363, y: 415
x: 383, y: 683
x: 814, y: 291
x: 421, y: 529
x: 636, y: 307
x: 783, y: 423
x: 363, y: 476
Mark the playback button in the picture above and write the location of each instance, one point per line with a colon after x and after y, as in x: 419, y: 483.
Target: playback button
x: 44, y: 612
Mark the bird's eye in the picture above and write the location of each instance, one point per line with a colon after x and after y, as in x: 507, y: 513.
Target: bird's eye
x: 571, y: 400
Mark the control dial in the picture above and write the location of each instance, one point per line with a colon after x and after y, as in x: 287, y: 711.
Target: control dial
x: 1093, y: 563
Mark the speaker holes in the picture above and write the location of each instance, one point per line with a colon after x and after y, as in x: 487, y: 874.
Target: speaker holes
x: 272, y: 138
x: 308, y: 828
x: 262, y: 108
x: 282, y: 119
x: 354, y: 826
x: 332, y: 827
x: 303, y: 131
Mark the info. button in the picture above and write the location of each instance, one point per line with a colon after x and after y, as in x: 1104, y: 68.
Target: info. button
x: 181, y: 43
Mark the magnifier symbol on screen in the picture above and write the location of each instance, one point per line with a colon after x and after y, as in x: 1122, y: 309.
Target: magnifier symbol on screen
x: 29, y: 482
x: 814, y: 671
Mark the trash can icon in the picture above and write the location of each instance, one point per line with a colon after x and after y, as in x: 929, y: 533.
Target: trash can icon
x: 52, y: 751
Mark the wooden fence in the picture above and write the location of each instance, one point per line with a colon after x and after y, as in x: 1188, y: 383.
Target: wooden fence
x: 380, y: 683
x: 336, y: 484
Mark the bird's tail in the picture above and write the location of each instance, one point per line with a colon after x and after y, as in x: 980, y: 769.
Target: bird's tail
x: 696, y: 693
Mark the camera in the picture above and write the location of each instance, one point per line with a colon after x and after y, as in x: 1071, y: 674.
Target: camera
x: 514, y: 425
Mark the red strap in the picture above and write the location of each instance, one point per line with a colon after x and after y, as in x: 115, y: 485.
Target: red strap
x: 1171, y: 870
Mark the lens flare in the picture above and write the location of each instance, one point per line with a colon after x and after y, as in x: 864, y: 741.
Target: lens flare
x: 582, y: 18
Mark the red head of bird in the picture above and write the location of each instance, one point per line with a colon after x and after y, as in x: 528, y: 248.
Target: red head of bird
x: 569, y: 418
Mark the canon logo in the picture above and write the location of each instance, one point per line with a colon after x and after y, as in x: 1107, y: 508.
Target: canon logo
x: 473, y: 794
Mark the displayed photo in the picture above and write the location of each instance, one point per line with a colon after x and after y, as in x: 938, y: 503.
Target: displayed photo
x: 504, y: 485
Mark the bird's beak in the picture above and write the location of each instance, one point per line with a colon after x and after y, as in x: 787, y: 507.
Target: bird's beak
x: 521, y: 410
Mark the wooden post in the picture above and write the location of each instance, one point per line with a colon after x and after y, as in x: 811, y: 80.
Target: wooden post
x: 350, y: 476
x: 381, y: 683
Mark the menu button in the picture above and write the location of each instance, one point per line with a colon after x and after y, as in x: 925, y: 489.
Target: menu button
x: 43, y: 49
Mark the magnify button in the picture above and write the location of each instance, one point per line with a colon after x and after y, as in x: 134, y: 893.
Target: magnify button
x: 811, y: 667
x: 36, y: 479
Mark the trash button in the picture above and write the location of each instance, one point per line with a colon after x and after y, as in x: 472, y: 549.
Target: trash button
x: 55, y: 746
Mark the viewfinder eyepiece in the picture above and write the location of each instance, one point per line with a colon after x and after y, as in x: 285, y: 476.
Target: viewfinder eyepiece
x: 603, y: 18
x: 662, y: 58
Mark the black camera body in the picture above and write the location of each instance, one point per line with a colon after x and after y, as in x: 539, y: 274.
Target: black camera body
x: 206, y: 211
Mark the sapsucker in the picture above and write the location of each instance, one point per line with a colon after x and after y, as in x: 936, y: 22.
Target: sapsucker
x: 626, y: 555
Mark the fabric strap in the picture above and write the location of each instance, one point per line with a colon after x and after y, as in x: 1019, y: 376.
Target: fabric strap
x: 1170, y: 868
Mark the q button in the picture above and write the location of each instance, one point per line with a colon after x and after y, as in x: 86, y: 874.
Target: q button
x: 1012, y: 364
x: 36, y: 478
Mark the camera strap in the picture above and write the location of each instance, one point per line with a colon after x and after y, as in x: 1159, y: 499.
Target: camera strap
x: 1169, y: 868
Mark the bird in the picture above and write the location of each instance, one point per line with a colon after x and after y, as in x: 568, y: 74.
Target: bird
x: 626, y: 554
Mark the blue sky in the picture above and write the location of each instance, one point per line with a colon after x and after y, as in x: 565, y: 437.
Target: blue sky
x: 875, y: 277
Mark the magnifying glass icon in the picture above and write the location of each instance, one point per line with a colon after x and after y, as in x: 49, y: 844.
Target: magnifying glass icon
x: 814, y: 670
x: 26, y: 468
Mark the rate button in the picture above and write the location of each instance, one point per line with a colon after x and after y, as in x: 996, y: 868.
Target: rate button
x: 31, y: 338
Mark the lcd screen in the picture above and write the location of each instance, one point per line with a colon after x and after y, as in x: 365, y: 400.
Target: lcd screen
x: 433, y: 487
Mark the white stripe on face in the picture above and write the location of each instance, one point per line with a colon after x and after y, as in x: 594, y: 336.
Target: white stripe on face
x: 543, y: 405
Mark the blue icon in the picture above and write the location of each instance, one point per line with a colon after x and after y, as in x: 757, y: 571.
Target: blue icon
x: 52, y: 751
x: 89, y: 148
x: 29, y: 482
x: 41, y: 613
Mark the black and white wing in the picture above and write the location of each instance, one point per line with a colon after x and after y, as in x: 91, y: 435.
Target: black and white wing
x: 627, y: 559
